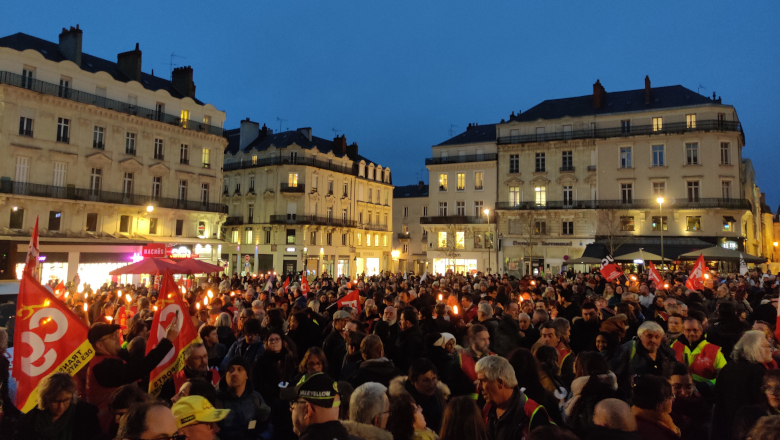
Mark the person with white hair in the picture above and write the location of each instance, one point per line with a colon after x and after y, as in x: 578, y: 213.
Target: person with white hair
x: 369, y: 408
x: 645, y: 354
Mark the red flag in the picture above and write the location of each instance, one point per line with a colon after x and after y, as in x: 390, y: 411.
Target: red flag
x: 48, y: 338
x: 286, y: 283
x: 654, y: 275
x: 609, y: 269
x: 31, y: 262
x: 305, y: 286
x: 60, y: 291
x: 170, y: 304
x: 351, y: 299
x: 696, y: 277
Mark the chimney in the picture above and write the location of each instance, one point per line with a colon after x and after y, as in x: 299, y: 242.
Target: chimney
x: 352, y: 151
x: 598, y: 95
x: 421, y: 185
x: 340, y: 144
x: 70, y: 44
x: 265, y: 131
x: 129, y: 63
x: 182, y: 81
x: 248, y: 132
x: 647, y: 90
x: 306, y: 132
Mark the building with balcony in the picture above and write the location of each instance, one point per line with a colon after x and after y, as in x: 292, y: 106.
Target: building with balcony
x: 595, y: 166
x: 108, y: 157
x: 462, y: 176
x: 410, y: 238
x: 297, y: 201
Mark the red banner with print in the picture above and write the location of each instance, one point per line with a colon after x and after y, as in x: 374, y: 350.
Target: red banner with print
x: 696, y: 277
x: 305, y: 285
x: 351, y: 299
x: 609, y: 269
x: 653, y: 275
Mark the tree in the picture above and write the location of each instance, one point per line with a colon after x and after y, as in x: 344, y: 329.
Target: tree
x: 530, y: 229
x: 454, y: 242
x: 611, y: 229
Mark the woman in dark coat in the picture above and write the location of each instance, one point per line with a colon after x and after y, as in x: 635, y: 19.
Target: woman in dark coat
x: 278, y: 364
x: 304, y: 333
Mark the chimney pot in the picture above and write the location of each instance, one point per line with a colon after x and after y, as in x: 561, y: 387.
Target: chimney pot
x: 70, y: 44
x: 129, y: 63
x: 647, y: 90
x: 598, y: 94
x: 181, y: 79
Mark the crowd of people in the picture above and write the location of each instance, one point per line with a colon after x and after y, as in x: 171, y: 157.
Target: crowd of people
x: 450, y: 357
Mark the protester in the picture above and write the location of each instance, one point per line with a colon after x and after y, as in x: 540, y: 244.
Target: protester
x: 120, y: 402
x: 407, y: 419
x: 273, y: 369
x: 375, y: 366
x: 148, y: 420
x: 652, y: 408
x: 315, y: 408
x: 197, y: 418
x: 247, y: 408
x: 425, y: 388
x: 369, y: 408
x: 216, y: 350
x: 462, y: 421
x: 248, y: 346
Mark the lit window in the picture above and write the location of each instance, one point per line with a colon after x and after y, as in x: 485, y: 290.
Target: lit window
x: 514, y: 195
x: 442, y: 242
x: 659, y: 223
x: 694, y: 223
x: 185, y: 118
x: 540, y: 195
x: 460, y: 240
x: 292, y: 180
x: 442, y: 182
x: 690, y: 121
x: 658, y: 124
x: 478, y: 177
x: 626, y: 223
x: 461, y: 181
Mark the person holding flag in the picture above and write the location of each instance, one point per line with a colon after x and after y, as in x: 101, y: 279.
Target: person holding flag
x: 697, y: 276
x: 654, y: 276
x: 609, y: 269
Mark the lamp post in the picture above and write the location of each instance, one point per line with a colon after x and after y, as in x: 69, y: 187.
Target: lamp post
x: 487, y: 214
x: 660, y: 201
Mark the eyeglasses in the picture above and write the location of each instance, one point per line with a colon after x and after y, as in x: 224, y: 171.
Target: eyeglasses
x: 274, y: 340
x: 292, y: 404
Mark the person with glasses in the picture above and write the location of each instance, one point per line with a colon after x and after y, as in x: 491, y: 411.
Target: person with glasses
x: 149, y: 420
x: 120, y: 402
x: 197, y: 419
x: 248, y: 410
x: 275, y: 367
x: 196, y: 365
x: 314, y: 403
x: 747, y: 417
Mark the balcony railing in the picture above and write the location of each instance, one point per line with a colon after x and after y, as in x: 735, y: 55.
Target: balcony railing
x: 235, y: 220
x: 98, y: 145
x: 130, y: 151
x: 28, y: 133
x: 93, y: 195
x: 63, y: 139
x: 700, y: 203
x: 461, y: 159
x: 287, y: 188
x: 636, y: 130
x: 455, y: 220
x: 291, y: 219
x: 375, y: 227
x: 567, y: 169
x: 402, y: 236
x: 184, y: 161
x: 591, y: 167
x: 159, y: 156
x: 46, y: 88
x: 277, y: 160
x: 206, y: 166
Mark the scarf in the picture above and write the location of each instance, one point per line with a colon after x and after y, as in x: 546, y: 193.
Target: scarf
x: 656, y: 417
x: 45, y: 427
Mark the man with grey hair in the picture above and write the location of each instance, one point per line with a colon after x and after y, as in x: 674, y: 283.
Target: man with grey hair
x: 510, y: 413
x: 369, y: 409
x: 485, y: 317
x: 196, y: 365
x: 645, y: 354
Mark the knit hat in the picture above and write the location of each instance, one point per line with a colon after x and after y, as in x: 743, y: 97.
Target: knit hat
x: 238, y: 360
x: 442, y: 341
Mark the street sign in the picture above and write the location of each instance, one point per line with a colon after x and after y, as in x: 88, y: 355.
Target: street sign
x: 246, y: 258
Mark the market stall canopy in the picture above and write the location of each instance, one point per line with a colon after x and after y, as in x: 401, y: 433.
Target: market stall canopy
x: 718, y: 253
x: 583, y: 260
x: 192, y: 266
x: 640, y: 255
x: 152, y: 266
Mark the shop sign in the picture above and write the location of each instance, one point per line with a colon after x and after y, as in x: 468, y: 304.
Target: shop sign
x: 542, y: 243
x: 180, y: 252
x: 153, y: 250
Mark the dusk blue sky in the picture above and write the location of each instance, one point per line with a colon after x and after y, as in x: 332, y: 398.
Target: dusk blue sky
x: 393, y: 76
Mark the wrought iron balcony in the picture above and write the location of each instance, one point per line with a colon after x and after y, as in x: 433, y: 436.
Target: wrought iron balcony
x: 698, y: 203
x: 98, y: 145
x: 591, y: 167
x: 455, y: 220
x: 130, y: 151
x: 277, y: 160
x: 159, y: 156
x: 28, y: 133
x: 635, y: 130
x: 402, y: 236
x: 101, y: 196
x: 235, y: 220
x: 46, y: 88
x: 63, y: 139
x: 294, y: 219
x: 375, y: 227
x: 567, y: 169
x: 287, y: 188
x: 184, y: 161
x: 461, y: 159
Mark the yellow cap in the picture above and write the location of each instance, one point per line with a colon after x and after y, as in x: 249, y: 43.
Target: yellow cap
x: 196, y: 409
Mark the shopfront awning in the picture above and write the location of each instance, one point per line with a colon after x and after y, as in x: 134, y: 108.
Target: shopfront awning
x: 718, y: 253
x: 673, y: 246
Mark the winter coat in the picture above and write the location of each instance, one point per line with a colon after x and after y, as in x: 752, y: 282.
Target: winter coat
x: 268, y: 371
x: 244, y: 409
x: 379, y: 370
x: 655, y: 425
x: 409, y: 348
x: 632, y: 359
x: 252, y: 352
x: 226, y: 336
x: 507, y: 336
x: 83, y: 424
x: 307, y: 335
x: 432, y: 406
x: 365, y: 431
x: 579, y: 383
x: 335, y: 348
x: 583, y: 335
x: 739, y: 385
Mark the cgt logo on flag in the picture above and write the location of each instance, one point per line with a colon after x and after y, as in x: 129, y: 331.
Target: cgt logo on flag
x: 609, y: 269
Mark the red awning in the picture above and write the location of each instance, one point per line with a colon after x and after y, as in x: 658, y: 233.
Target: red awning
x: 192, y: 266
x: 152, y: 266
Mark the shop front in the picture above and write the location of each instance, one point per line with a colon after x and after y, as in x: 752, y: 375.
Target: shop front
x: 456, y: 265
x: 540, y: 257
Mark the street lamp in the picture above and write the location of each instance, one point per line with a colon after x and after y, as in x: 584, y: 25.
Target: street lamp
x: 487, y: 214
x: 395, y: 254
x: 660, y: 201
x: 149, y: 208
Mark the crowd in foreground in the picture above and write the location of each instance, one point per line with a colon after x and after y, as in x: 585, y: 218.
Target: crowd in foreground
x: 453, y: 357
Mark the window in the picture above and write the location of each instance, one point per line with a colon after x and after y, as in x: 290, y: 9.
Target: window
x: 368, y: 240
x: 725, y: 189
x: 690, y: 121
x: 204, y: 194
x: 330, y: 214
x: 254, y: 160
x: 540, y: 195
x: 267, y: 237
x: 478, y: 179
x: 725, y: 153
x: 315, y: 181
x: 406, y: 211
x: 345, y: 215
x: 159, y: 149
x: 425, y: 211
x: 130, y: 143
x: 370, y: 192
x: 248, y: 232
x: 292, y: 180
x: 539, y: 134
x: 384, y: 223
x: 728, y: 223
x: 25, y: 127
x: 659, y: 223
x: 567, y: 132
x: 625, y: 157
x: 442, y: 241
x: 376, y: 240
x: 721, y: 120
x: 442, y: 183
x: 22, y: 167
x: 153, y: 222
x: 658, y: 124
x: 360, y: 217
x: 251, y: 183
x: 185, y: 118
x: 182, y: 190
x: 59, y: 174
x: 658, y: 156
x: 478, y: 238
x: 568, y: 195
x: 540, y: 227
x: 659, y: 189
x: 159, y: 111
x: 179, y: 228
x: 442, y: 209
x: 17, y: 219
x: 95, y: 180
x: 313, y: 238
x: 693, y: 222
x: 27, y: 77
x: 330, y: 189
x: 344, y: 240
x: 692, y: 153
x: 567, y: 227
x: 478, y: 206
x: 460, y: 240
x: 234, y: 235
x: 626, y: 223
x: 206, y: 120
x: 625, y: 126
x: 97, y: 138
x: 693, y: 191
x: 540, y: 165
x: 460, y: 208
x: 202, y: 229
x: 293, y: 157
x: 92, y: 218
x: 384, y: 240
x: 514, y: 163
x: 127, y: 184
x: 124, y: 224
x: 461, y: 181
x: 63, y: 130
x: 627, y: 192
x: 567, y: 161
x: 206, y: 158
x: 184, y: 156
x: 346, y: 189
x: 64, y: 90
x: 406, y: 248
x: 156, y: 187
x: 514, y: 195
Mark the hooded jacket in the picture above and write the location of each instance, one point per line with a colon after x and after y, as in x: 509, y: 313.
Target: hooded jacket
x: 579, y: 383
x: 379, y: 370
x: 432, y: 406
x: 252, y: 351
x: 507, y: 336
x: 244, y: 409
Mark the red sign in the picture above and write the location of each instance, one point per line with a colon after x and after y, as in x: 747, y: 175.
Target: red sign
x: 350, y: 300
x: 246, y: 257
x: 154, y: 250
x: 609, y: 269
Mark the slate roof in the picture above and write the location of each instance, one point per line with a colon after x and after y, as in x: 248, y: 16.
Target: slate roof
x: 89, y: 63
x: 474, y: 135
x: 615, y: 102
x: 409, y: 191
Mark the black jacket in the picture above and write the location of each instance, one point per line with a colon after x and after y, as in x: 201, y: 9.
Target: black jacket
x: 335, y: 347
x: 507, y: 336
x: 113, y: 373
x: 379, y: 370
x: 739, y: 385
x: 514, y: 424
x: 583, y: 335
x: 332, y: 430
x: 632, y: 359
x: 84, y: 424
x: 409, y: 347
x: 444, y: 326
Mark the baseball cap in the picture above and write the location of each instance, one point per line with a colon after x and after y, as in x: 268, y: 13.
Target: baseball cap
x: 341, y: 314
x: 190, y: 410
x: 100, y: 330
x: 318, y: 389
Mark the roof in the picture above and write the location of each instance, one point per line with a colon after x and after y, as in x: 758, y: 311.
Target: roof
x: 615, y: 102
x: 409, y: 191
x: 473, y: 135
x: 89, y: 63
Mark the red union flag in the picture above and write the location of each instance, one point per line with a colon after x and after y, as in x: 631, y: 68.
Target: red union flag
x: 170, y: 304
x: 351, y: 299
x: 696, y: 277
x: 653, y: 274
x: 285, y: 284
x: 305, y: 285
x: 609, y: 269
x: 48, y: 338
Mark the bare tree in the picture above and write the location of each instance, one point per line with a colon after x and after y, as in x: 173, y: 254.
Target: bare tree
x: 530, y: 229
x: 611, y: 229
x: 450, y: 249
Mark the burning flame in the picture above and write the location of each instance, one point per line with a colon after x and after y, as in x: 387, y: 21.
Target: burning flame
x: 706, y: 276
x: 129, y: 298
x: 206, y: 302
x: 197, y: 306
x: 666, y: 285
x: 109, y: 318
x: 633, y: 277
x: 86, y: 307
x: 533, y: 283
x: 183, y: 289
x: 441, y: 297
x: 455, y: 309
x: 46, y: 303
x: 210, y: 294
x: 155, y: 308
x: 66, y: 294
x: 232, y: 293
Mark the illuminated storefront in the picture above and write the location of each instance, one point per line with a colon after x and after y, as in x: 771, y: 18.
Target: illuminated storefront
x: 458, y: 265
